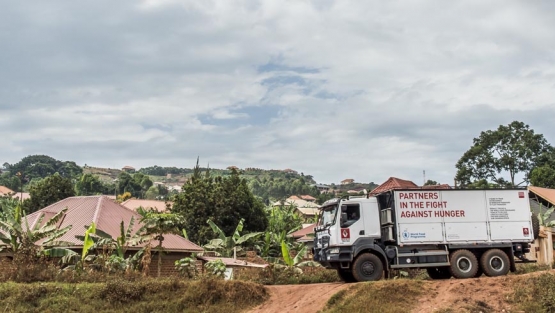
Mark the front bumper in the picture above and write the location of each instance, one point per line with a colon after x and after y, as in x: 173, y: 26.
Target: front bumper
x: 329, y: 260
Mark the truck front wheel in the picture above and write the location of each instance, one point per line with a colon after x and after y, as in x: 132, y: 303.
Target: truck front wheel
x: 367, y: 267
x: 463, y: 264
x: 495, y: 262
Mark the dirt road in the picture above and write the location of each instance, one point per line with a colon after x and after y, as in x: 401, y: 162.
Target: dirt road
x: 298, y: 298
x: 486, y: 294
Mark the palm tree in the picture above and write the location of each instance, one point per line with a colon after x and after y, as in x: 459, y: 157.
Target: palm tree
x: 226, y: 246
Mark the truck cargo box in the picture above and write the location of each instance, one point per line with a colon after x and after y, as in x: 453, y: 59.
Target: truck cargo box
x: 457, y: 216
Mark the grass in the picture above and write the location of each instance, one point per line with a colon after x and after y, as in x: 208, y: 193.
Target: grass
x: 535, y: 293
x: 146, y: 295
x: 393, y: 296
x: 525, y: 268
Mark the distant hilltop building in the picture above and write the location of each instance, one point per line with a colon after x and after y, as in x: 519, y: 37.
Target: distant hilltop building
x: 347, y: 181
x: 290, y: 171
x: 232, y: 167
x: 128, y: 169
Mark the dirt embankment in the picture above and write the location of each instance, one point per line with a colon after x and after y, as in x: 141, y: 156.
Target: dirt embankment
x: 484, y: 294
x: 298, y: 298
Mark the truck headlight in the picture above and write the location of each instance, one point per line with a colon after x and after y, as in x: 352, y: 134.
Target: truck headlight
x: 333, y: 251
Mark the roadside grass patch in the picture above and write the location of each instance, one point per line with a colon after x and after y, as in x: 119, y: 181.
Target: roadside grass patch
x: 530, y: 268
x: 393, y: 296
x: 535, y: 293
x: 146, y: 295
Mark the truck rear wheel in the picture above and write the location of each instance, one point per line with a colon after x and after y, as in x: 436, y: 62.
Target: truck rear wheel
x: 346, y: 276
x: 367, y: 267
x: 439, y: 272
x: 495, y: 262
x: 463, y: 264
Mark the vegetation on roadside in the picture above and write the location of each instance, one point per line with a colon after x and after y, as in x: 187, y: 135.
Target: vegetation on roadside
x: 379, y: 297
x: 535, y: 293
x: 142, y: 295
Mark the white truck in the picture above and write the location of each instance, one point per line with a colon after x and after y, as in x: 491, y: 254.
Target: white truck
x: 451, y: 232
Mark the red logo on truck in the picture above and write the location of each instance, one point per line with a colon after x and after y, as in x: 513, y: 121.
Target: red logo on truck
x: 525, y: 232
x: 521, y: 194
x: 345, y: 234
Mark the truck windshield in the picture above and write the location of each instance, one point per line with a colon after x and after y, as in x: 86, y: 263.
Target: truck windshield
x: 328, y: 215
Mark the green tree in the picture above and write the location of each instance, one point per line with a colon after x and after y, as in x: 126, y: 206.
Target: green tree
x: 543, y: 176
x: 48, y: 191
x: 137, y: 185
x: 42, y: 166
x: 430, y: 182
x: 157, y: 225
x: 224, y: 200
x: 89, y: 185
x: 509, y: 150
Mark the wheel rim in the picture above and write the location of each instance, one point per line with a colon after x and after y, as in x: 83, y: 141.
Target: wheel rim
x: 464, y: 264
x: 368, y: 268
x: 497, y: 264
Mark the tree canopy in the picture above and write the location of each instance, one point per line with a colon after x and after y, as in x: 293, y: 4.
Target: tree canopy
x: 48, y: 191
x: 224, y: 200
x: 42, y: 166
x: 501, y: 155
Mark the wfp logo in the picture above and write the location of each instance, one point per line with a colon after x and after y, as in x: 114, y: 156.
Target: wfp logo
x: 406, y: 234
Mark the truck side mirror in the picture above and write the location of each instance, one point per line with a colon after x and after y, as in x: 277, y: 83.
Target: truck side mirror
x: 343, y: 208
x: 343, y: 219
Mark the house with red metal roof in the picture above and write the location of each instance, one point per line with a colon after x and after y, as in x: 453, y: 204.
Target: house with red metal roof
x: 108, y: 215
x: 393, y: 183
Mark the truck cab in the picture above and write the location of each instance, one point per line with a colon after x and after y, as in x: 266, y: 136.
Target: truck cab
x: 346, y: 227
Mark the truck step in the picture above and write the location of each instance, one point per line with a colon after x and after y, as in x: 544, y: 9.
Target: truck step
x: 420, y: 265
x: 423, y: 253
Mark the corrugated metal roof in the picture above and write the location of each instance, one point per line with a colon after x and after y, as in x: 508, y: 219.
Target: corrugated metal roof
x: 303, y: 232
x: 545, y: 193
x: 107, y: 215
x: 230, y: 262
x: 5, y: 190
x: 134, y: 204
x: 393, y: 183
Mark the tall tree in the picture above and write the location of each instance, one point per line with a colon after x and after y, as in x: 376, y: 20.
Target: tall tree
x: 89, y: 184
x: 48, y: 191
x: 507, y: 151
x: 196, y: 204
x: 223, y: 200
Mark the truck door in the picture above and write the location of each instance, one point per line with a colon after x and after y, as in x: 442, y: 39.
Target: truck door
x: 351, y: 223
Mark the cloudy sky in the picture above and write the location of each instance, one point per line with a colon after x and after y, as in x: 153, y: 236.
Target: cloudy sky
x: 335, y: 89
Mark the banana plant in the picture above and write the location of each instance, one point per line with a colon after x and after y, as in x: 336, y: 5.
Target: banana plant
x: 17, y: 234
x: 228, y: 246
x: 544, y: 216
x: 288, y: 261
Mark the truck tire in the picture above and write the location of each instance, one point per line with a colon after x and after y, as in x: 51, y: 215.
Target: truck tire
x: 535, y: 225
x: 495, y: 262
x: 346, y: 276
x: 367, y: 267
x: 463, y: 264
x: 439, y: 272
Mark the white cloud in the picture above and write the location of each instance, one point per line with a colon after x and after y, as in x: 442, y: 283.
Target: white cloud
x: 335, y: 89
